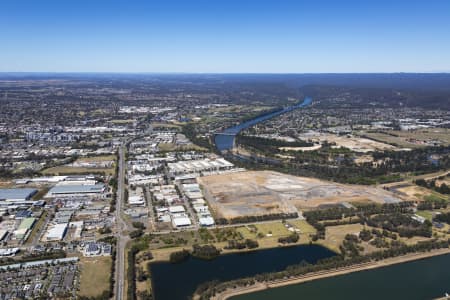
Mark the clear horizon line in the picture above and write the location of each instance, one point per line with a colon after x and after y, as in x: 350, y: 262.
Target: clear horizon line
x: 218, y: 73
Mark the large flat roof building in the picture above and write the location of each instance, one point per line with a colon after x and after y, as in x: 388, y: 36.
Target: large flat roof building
x: 24, y: 227
x: 67, y: 190
x: 56, y: 232
x: 181, y: 221
x: 17, y: 195
x: 206, y: 221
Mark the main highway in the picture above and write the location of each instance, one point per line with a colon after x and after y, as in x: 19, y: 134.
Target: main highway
x: 122, y: 228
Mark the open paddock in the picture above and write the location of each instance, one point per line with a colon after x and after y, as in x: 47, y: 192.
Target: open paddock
x: 95, y: 275
x: 67, y: 170
x: 85, y: 165
x: 413, y: 138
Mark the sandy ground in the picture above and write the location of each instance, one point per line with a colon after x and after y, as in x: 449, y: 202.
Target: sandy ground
x: 415, y: 192
x: 325, y: 274
x: 446, y: 181
x: 364, y: 159
x: 311, y: 148
x: 265, y: 192
x: 6, y: 184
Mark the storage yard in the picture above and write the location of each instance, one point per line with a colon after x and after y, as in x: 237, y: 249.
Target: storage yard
x: 265, y: 192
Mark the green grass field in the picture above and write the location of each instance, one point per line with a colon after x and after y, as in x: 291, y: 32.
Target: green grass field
x: 95, y: 274
x: 37, y: 227
x: 63, y: 170
x: 66, y: 169
x: 305, y: 227
x: 276, y: 229
x: 425, y: 213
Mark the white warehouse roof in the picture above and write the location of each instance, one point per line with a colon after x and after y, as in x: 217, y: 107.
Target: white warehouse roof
x: 206, y: 221
x: 181, y: 221
x: 135, y: 200
x: 57, y: 232
x: 176, y: 209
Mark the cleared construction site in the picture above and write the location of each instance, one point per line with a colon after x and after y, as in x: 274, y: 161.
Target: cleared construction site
x: 252, y: 193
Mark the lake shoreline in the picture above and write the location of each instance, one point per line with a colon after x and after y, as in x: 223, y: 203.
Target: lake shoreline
x: 162, y: 255
x: 228, y: 294
x: 194, y: 271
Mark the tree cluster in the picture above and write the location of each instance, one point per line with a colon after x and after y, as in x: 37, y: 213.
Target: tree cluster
x: 290, y: 239
x: 207, y: 252
x: 252, y: 219
x: 246, y: 244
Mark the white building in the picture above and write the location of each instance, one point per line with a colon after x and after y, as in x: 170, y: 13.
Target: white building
x: 56, y: 232
x: 181, y: 220
x: 176, y: 209
x: 206, y: 221
x: 136, y: 200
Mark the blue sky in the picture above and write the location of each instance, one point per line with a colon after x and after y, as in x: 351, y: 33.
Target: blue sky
x: 225, y: 36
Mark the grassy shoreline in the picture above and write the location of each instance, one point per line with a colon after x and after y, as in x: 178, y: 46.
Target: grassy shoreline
x: 163, y: 254
x: 326, y: 274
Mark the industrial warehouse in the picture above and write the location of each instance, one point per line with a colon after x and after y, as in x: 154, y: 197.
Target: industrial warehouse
x: 16, y: 196
x: 67, y: 190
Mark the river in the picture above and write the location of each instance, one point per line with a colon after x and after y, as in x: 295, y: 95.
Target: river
x: 422, y: 279
x: 225, y: 140
x: 179, y: 281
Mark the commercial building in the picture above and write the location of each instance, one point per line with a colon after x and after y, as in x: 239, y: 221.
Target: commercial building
x: 97, y: 249
x: 181, y: 220
x: 176, y: 209
x: 56, y: 232
x: 197, y: 166
x: 206, y: 221
x: 9, y: 251
x: 136, y: 200
x: 24, y: 227
x: 22, y: 214
x: 136, y: 197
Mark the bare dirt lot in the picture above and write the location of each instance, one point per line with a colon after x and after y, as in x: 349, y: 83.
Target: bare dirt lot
x: 266, y: 192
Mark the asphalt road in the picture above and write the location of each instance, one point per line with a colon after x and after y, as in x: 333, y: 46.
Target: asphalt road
x: 122, y: 228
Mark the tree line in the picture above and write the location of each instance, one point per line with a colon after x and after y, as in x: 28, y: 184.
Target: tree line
x: 431, y: 184
x: 258, y: 218
x: 209, y: 289
x: 339, y: 165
